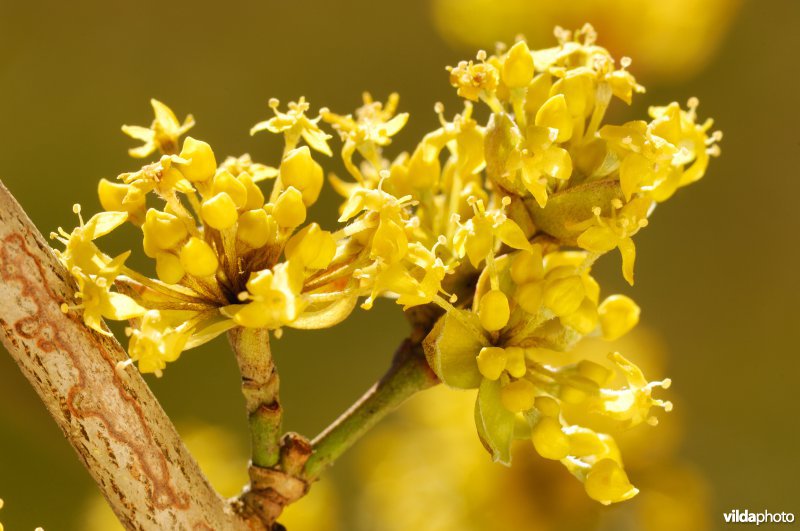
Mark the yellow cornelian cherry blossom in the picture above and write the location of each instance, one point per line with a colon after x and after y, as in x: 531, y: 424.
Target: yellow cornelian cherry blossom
x: 162, y: 135
x: 492, y: 228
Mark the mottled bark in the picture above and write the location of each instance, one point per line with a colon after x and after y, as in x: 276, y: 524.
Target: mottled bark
x: 111, y: 418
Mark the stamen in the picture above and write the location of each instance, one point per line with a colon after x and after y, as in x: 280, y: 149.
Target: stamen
x: 120, y: 367
x: 76, y: 208
x: 563, y: 35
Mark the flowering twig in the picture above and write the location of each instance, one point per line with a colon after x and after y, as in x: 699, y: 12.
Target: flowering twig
x: 408, y: 374
x: 110, y: 417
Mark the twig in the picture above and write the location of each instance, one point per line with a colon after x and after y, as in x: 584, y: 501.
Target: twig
x: 408, y: 374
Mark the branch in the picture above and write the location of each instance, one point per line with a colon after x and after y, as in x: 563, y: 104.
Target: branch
x: 112, y: 419
x: 408, y: 374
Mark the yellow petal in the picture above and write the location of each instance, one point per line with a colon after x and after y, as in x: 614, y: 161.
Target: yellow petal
x: 554, y: 114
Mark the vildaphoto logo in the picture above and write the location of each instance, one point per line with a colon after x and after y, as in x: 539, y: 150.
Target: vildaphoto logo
x: 746, y: 517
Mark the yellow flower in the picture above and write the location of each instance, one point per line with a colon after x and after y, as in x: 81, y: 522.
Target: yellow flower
x: 474, y: 79
x: 161, y: 176
x: 607, y: 233
x: 80, y: 251
x: 98, y: 301
x: 117, y: 197
x: 295, y: 124
x: 244, y: 164
x: 542, y: 159
x: 154, y: 342
x: 374, y: 122
x: 476, y: 237
x: 632, y: 404
x: 162, y: 135
x: 373, y: 128
x: 274, y: 295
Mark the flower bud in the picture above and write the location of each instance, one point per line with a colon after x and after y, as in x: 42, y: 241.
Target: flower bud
x: 549, y: 440
x: 608, y: 483
x: 290, y: 211
x: 299, y: 169
x: 255, y: 197
x: 169, y: 268
x: 202, y: 165
x: 254, y: 228
x: 547, y: 405
x: 163, y: 230
x: 527, y: 266
x: 493, y: 310
x: 582, y: 320
x: 198, y: 258
x: 618, y: 315
x: 518, y: 396
x: 518, y: 66
x: 564, y: 295
x: 529, y: 297
x: 491, y: 362
x: 112, y: 198
x: 515, y: 364
x: 219, y: 212
x: 584, y: 442
x: 570, y: 394
x: 225, y: 182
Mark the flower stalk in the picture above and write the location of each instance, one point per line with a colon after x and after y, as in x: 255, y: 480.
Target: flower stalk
x: 408, y: 374
x: 260, y: 386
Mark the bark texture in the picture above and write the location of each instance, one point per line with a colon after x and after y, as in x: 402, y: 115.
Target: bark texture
x: 111, y: 418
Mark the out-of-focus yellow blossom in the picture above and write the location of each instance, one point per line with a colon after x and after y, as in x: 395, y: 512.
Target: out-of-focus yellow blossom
x: 163, y: 134
x: 418, y: 470
x: 494, y: 227
x: 673, y: 40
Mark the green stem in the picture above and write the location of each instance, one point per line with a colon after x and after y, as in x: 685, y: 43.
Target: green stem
x: 408, y: 374
x: 260, y: 385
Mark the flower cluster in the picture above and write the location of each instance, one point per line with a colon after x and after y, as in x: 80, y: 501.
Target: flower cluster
x: 494, y: 227
x: 421, y: 457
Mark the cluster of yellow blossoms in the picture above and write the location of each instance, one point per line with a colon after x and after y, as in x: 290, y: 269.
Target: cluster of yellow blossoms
x: 495, y: 227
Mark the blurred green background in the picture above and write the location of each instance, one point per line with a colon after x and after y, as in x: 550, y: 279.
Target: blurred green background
x: 716, y: 273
